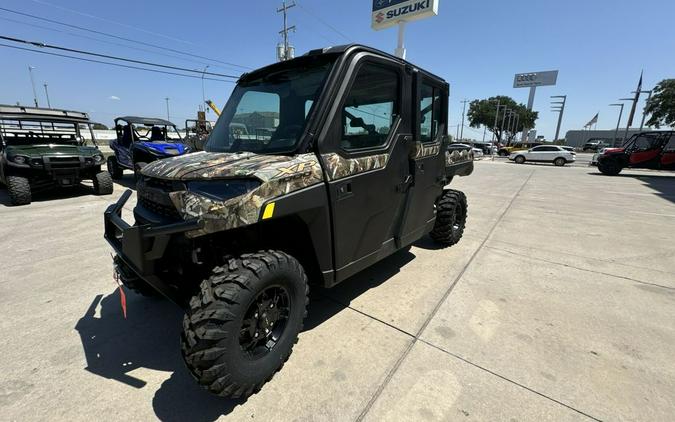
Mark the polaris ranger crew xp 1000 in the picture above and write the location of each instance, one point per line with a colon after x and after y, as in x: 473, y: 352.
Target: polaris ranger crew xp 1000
x: 44, y: 148
x: 317, y: 168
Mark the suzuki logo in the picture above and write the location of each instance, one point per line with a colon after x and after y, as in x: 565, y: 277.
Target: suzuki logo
x: 379, y: 17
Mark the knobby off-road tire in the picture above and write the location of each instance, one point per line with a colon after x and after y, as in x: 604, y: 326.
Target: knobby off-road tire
x: 131, y: 280
x: 19, y: 190
x: 451, y: 211
x: 116, y: 172
x: 611, y: 168
x: 103, y: 183
x: 218, y: 343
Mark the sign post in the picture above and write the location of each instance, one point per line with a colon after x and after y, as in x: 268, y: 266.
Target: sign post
x: 533, y: 80
x: 388, y: 13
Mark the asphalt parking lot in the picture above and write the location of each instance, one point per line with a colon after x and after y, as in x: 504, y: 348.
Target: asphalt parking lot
x: 558, y: 304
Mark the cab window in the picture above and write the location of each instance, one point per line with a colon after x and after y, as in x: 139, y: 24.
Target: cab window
x: 430, y: 113
x: 644, y: 143
x: 370, y: 109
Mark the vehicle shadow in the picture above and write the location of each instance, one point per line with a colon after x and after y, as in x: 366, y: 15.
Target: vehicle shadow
x: 662, y: 184
x: 127, y: 180
x: 148, y: 338
x: 50, y: 194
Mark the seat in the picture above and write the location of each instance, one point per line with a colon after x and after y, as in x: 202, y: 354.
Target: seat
x: 156, y: 134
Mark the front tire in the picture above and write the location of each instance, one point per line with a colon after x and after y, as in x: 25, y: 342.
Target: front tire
x: 611, y: 168
x: 116, y: 172
x: 103, y: 183
x: 451, y: 211
x: 19, y: 190
x: 241, y: 326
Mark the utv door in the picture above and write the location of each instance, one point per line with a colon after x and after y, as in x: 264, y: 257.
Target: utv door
x: 427, y: 158
x: 365, y: 156
x: 668, y: 154
x: 645, y: 151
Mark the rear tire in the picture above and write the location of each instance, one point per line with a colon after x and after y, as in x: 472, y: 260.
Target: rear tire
x: 103, y: 184
x: 611, y: 168
x: 451, y: 211
x: 519, y: 159
x: 559, y: 162
x: 116, y: 172
x: 233, y: 311
x: 19, y: 190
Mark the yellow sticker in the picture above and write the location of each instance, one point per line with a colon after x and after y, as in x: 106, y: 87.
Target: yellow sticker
x: 269, y: 211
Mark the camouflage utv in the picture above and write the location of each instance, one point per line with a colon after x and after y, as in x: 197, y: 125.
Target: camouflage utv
x: 45, y: 148
x: 317, y: 168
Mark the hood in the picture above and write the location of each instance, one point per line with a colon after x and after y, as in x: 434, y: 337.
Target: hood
x: 51, y: 149
x: 211, y: 165
x: 165, y: 148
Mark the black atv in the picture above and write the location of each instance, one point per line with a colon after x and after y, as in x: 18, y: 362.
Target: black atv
x: 45, y: 148
x: 317, y: 168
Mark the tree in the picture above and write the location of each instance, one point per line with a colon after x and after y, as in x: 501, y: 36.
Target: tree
x: 661, y: 106
x: 482, y: 112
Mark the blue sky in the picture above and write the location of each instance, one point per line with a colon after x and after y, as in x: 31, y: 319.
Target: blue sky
x: 599, y: 47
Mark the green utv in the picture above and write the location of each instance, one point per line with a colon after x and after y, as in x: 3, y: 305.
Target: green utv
x: 42, y: 148
x: 318, y: 168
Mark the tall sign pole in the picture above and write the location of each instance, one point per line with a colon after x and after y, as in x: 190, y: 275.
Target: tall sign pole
x: 532, y: 80
x: 388, y: 13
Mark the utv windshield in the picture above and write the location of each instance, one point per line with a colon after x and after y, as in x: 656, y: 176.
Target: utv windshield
x: 31, y: 132
x: 267, y: 113
x: 156, y: 133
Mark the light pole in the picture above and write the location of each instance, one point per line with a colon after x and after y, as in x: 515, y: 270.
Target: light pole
x: 463, y: 113
x: 495, y: 125
x: 203, y: 92
x: 560, y: 110
x: 506, y: 110
x: 168, y: 117
x: 625, y: 134
x: 32, y: 82
x: 616, y: 131
x: 644, y: 114
x: 515, y: 127
x: 49, y: 104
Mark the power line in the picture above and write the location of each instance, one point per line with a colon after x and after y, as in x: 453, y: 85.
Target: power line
x: 118, y: 37
x: 315, y: 16
x: 112, y: 64
x: 72, y: 34
x: 106, y: 56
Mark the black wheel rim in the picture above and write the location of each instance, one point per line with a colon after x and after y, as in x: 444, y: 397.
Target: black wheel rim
x: 265, y: 322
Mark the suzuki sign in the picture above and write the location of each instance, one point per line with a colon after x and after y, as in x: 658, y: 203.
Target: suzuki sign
x: 526, y: 80
x: 387, y: 13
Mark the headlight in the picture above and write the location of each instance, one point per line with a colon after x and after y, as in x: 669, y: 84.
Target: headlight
x: 222, y: 190
x: 20, y: 159
x: 98, y: 159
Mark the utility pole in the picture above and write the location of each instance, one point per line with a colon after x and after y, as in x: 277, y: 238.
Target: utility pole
x: 285, y: 54
x: 203, y: 92
x: 168, y: 117
x: 32, y: 82
x: 558, y: 106
x: 49, y: 104
x: 463, y: 113
x: 618, y: 122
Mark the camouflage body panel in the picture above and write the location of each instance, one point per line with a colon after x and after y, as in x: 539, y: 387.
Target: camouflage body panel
x: 426, y: 150
x: 457, y: 156
x: 338, y: 167
x: 279, y: 175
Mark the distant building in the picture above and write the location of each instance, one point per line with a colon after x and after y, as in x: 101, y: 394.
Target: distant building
x: 577, y: 138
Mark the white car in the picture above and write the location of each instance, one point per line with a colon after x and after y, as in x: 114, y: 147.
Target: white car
x: 544, y: 154
x: 477, y: 153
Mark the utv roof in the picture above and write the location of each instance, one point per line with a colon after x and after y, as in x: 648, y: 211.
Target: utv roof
x: 44, y: 114
x: 145, y: 121
x: 337, y: 50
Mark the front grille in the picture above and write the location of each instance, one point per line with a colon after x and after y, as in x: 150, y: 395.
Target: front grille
x: 62, y: 162
x: 153, y: 195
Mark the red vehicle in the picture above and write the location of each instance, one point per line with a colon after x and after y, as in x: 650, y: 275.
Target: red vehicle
x: 650, y: 150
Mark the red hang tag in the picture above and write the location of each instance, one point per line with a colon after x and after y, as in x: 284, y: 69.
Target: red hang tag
x: 123, y: 296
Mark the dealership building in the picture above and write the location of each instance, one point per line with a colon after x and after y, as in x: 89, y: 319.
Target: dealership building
x: 577, y: 138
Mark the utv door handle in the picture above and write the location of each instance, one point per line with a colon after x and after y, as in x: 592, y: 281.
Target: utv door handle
x: 344, y: 190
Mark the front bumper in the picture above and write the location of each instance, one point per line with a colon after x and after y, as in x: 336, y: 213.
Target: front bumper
x: 141, y: 246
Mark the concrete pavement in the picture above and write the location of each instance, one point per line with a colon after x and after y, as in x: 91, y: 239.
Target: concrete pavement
x: 558, y: 304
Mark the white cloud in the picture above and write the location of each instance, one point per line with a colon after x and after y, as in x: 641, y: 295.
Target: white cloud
x: 114, y: 98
